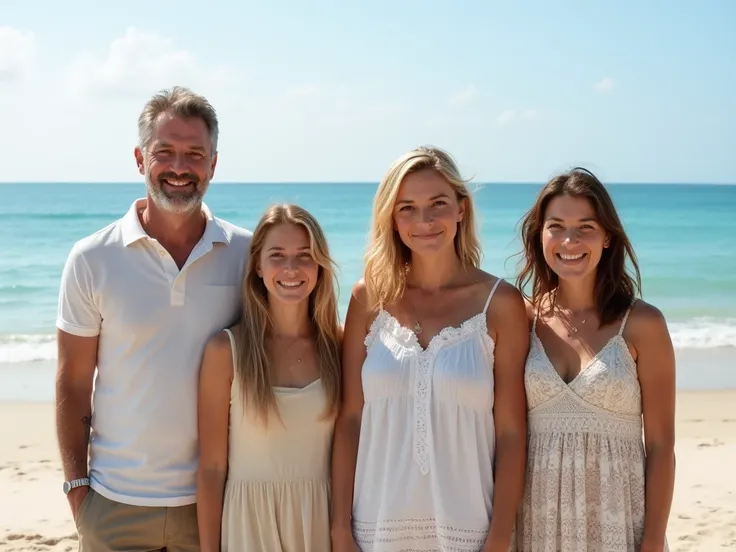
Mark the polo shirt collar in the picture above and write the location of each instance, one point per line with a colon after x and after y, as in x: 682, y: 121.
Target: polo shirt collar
x: 133, y: 231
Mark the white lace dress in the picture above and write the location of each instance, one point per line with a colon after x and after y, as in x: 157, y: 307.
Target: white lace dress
x: 424, y: 475
x: 586, y: 463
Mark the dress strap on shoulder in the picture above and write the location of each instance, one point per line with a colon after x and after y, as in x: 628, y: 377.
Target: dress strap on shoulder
x: 490, y: 295
x: 233, y: 350
x: 625, y: 318
x: 534, y: 322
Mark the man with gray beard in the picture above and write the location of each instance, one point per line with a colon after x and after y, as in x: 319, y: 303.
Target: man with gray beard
x: 138, y: 301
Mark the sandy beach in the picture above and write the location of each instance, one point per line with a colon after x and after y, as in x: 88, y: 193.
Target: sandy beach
x: 34, y: 514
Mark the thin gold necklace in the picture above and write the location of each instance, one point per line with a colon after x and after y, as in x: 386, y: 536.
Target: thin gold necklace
x: 568, y: 322
x: 288, y: 348
x: 417, y: 329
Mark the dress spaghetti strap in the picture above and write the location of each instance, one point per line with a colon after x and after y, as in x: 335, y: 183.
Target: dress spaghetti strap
x: 625, y: 318
x: 233, y: 350
x: 490, y: 295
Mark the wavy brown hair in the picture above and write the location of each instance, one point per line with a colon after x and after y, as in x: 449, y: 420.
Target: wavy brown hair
x: 616, y: 285
x: 255, y: 326
x: 388, y: 258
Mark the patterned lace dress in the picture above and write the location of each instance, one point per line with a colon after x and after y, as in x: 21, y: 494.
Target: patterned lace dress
x: 586, y: 463
x: 424, y: 475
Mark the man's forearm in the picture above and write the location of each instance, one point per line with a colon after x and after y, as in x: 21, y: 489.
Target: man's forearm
x: 73, y: 423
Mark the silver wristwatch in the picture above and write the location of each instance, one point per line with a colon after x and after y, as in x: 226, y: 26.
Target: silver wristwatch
x: 69, y: 485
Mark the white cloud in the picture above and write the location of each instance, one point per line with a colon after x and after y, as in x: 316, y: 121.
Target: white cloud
x: 17, y: 53
x: 604, y: 85
x: 465, y: 96
x: 142, y: 61
x: 510, y: 116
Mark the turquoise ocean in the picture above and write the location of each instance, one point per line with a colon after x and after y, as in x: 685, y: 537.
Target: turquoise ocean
x: 683, y: 235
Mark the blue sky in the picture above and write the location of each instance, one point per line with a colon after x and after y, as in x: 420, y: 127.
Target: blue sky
x: 336, y: 90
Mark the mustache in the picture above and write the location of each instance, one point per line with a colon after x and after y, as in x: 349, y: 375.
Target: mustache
x: 183, y: 176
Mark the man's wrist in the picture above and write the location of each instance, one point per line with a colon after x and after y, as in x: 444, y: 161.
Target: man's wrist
x: 72, y: 484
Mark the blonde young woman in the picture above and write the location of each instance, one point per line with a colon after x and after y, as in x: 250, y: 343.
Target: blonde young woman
x: 429, y: 448
x: 269, y: 391
x: 600, y: 372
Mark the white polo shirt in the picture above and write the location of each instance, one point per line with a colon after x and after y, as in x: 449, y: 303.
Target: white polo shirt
x: 153, y: 321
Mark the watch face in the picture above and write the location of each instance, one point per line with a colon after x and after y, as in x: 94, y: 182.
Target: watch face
x: 67, y: 487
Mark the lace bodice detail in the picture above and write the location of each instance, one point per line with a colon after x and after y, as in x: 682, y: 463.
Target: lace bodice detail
x: 585, y: 483
x: 424, y: 472
x: 387, y: 323
x: 609, y: 380
x: 386, y: 327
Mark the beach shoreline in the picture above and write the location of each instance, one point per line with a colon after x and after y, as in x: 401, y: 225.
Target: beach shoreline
x: 34, y: 514
x: 698, y: 369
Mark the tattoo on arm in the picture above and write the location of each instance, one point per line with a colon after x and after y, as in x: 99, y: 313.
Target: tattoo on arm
x: 87, y: 423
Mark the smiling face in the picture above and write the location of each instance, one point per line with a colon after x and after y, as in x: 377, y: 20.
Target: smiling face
x: 427, y: 212
x: 178, y: 162
x: 285, y: 264
x: 572, y: 237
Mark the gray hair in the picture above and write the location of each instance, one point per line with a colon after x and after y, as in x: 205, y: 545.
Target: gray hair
x: 183, y: 103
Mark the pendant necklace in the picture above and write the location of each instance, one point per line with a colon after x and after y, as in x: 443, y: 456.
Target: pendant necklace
x: 417, y: 329
x: 285, y: 353
x: 572, y: 328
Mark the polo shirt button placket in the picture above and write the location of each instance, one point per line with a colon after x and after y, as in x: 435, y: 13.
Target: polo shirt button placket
x: 177, y: 290
x: 173, y: 276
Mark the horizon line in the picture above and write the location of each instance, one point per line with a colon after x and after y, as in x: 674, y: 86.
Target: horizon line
x: 365, y: 182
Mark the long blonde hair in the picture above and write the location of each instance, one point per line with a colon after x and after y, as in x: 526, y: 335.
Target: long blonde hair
x: 253, y: 362
x: 388, y: 258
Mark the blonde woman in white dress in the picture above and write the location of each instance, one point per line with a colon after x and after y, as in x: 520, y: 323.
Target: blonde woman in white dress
x: 269, y: 391
x: 429, y: 450
x: 600, y: 372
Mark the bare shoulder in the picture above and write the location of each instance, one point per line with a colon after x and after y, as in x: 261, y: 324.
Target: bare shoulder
x: 359, y: 305
x: 217, y: 360
x: 506, y: 291
x: 359, y: 310
x: 647, y: 332
x: 506, y: 302
x: 505, y: 295
x: 219, y: 343
x: 507, y: 322
x: 644, y: 319
x: 360, y: 292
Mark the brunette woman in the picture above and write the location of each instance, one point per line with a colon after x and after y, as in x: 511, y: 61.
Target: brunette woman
x: 600, y: 371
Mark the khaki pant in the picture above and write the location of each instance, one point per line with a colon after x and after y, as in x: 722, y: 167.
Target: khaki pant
x: 107, y: 526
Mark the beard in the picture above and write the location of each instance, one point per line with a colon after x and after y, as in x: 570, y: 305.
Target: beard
x: 180, y: 199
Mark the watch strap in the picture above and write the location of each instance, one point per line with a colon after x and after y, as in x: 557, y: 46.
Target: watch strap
x: 74, y: 483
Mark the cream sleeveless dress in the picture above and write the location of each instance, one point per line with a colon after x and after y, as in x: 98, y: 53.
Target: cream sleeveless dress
x: 586, y: 463
x: 424, y: 474
x: 277, y: 494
